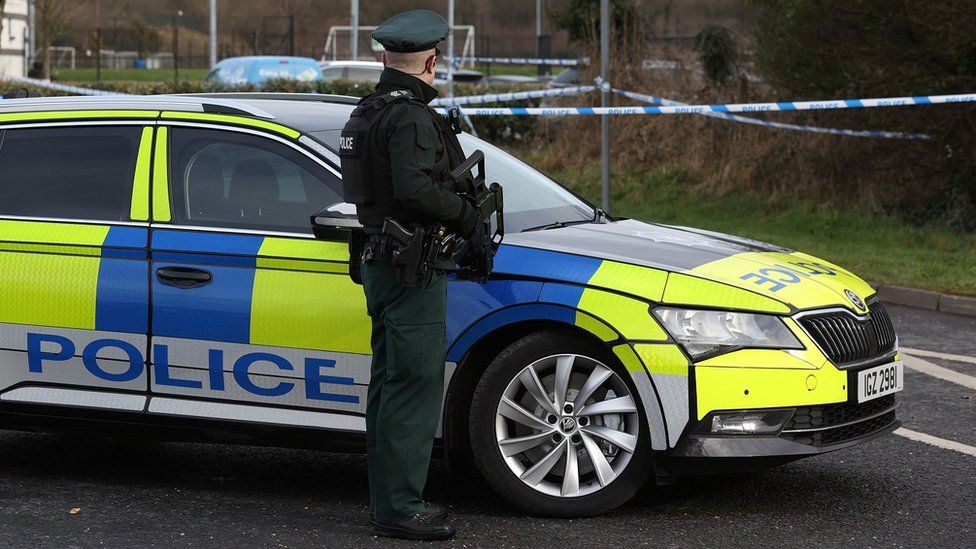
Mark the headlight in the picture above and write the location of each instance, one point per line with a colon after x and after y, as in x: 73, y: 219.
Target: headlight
x: 704, y: 333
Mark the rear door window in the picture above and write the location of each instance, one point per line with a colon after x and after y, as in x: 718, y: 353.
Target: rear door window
x: 334, y: 73
x: 230, y: 179
x: 369, y: 75
x: 68, y: 173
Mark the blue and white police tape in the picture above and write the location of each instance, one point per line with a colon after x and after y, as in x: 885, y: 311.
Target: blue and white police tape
x: 512, y: 96
x: 780, y: 125
x: 834, y: 104
x: 522, y: 61
x: 57, y: 87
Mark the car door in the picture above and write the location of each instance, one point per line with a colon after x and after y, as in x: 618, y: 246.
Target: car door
x: 252, y: 318
x: 74, y: 304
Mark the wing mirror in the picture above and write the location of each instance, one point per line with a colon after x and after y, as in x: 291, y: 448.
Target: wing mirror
x: 336, y: 222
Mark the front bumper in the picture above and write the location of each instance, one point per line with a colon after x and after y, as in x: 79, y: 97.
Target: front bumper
x: 812, y: 430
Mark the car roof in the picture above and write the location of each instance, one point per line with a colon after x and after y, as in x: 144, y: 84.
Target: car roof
x: 269, y: 58
x: 305, y: 112
x: 369, y: 64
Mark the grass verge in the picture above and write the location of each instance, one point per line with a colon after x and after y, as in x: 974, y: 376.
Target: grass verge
x: 879, y: 248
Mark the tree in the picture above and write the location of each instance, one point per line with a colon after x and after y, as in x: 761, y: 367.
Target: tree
x: 2, y: 6
x: 819, y: 49
x: 867, y: 46
x: 582, y: 18
x: 53, y: 17
x: 146, y: 38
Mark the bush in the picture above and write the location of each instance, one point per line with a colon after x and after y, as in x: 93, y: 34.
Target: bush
x: 719, y: 55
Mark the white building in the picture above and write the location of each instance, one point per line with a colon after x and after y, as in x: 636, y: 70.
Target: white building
x: 14, y: 38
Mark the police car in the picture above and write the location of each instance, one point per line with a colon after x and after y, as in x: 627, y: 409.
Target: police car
x: 159, y: 276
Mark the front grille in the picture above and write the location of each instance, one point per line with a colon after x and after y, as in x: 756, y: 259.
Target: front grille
x: 836, y: 423
x: 849, y: 340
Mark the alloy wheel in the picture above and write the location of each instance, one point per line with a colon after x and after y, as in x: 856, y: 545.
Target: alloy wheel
x: 567, y: 425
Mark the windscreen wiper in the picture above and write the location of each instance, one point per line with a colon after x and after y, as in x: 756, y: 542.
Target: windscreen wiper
x: 558, y: 225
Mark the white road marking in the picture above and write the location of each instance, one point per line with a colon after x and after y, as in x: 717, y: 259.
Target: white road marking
x: 936, y: 441
x: 934, y: 370
x: 944, y: 356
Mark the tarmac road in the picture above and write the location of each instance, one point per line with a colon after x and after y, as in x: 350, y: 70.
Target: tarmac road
x: 891, y: 492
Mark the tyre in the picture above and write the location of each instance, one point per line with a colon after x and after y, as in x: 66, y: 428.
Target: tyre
x: 557, y: 429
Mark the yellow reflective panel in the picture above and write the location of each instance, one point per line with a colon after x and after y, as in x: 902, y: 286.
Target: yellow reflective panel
x: 62, y: 234
x: 811, y: 353
x: 298, y: 303
x: 49, y: 249
x: 73, y: 115
x: 761, y: 358
x: 798, y: 279
x: 745, y: 388
x: 844, y: 278
x: 683, y: 289
x: 302, y: 265
x: 626, y: 315
x: 304, y: 249
x: 629, y: 359
x: 237, y: 120
x: 595, y: 327
x: 139, y: 206
x: 639, y: 281
x: 49, y: 287
x: 160, y: 179
x: 663, y: 359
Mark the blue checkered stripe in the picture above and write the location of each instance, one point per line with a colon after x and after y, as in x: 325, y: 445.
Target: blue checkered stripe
x: 837, y: 104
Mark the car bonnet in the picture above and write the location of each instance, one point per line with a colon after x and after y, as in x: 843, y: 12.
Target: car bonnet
x: 795, y: 279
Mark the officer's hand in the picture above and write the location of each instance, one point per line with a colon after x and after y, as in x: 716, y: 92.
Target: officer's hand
x: 476, y: 241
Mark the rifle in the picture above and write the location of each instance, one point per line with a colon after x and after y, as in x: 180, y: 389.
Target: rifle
x: 488, y: 202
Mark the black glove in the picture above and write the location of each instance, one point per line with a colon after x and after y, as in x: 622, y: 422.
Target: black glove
x: 468, y: 221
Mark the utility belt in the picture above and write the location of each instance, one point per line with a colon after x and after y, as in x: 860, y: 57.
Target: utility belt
x: 414, y: 251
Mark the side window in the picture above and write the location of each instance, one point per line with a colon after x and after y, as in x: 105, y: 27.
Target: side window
x: 228, y: 179
x: 364, y: 74
x: 333, y: 73
x: 71, y: 173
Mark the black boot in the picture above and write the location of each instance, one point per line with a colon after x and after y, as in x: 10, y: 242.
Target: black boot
x: 421, y: 526
x: 433, y: 509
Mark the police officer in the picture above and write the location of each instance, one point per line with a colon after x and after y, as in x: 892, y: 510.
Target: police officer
x: 410, y: 150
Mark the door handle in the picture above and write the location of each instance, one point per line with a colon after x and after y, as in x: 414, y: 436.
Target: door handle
x: 184, y: 277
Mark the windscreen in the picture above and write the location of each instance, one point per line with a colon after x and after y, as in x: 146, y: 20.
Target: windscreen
x: 532, y: 199
x: 285, y: 68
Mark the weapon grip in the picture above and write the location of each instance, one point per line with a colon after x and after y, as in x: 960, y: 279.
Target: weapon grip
x: 397, y: 231
x: 496, y: 190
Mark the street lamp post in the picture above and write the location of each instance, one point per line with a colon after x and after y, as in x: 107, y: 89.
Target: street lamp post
x: 176, y: 46
x: 538, y: 28
x: 354, y: 40
x: 450, y: 48
x: 605, y: 102
x: 213, y: 33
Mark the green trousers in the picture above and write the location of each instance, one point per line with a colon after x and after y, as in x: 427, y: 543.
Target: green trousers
x: 406, y: 387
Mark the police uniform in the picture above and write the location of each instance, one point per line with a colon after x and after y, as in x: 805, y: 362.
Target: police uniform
x: 410, y: 150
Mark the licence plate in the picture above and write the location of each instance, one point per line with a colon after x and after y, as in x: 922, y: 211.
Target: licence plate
x: 880, y: 381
